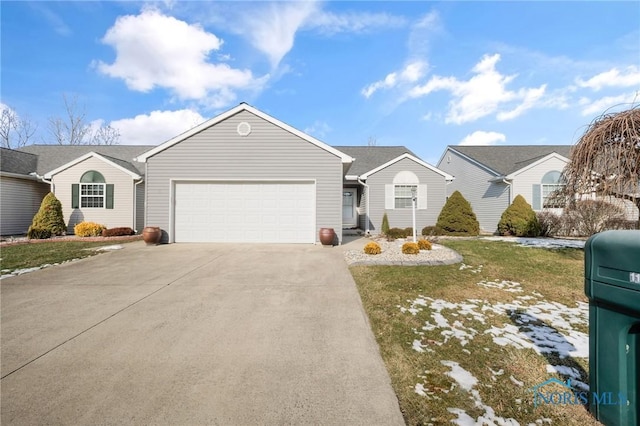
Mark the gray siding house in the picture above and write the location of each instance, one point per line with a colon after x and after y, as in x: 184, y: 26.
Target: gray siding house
x: 490, y: 177
x: 245, y: 176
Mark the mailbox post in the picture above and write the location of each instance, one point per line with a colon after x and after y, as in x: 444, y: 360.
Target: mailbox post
x: 612, y: 284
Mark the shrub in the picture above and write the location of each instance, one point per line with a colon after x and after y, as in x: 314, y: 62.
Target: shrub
x: 88, y: 229
x: 410, y: 248
x: 48, y: 218
x: 394, y: 233
x: 116, y: 232
x: 385, y: 224
x: 372, y: 248
x: 550, y: 224
x: 38, y: 233
x: 408, y: 232
x: 457, y: 217
x: 587, y: 217
x: 429, y: 231
x: 519, y: 220
x: 424, y: 244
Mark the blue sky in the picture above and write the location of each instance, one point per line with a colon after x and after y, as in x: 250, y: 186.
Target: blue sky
x: 420, y: 74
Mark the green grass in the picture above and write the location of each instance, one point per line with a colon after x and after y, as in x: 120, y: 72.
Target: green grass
x: 556, y: 274
x: 30, y: 255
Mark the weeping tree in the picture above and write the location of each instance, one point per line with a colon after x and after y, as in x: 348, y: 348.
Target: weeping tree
x: 606, y: 159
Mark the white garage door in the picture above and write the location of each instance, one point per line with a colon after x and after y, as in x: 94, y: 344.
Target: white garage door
x: 266, y: 212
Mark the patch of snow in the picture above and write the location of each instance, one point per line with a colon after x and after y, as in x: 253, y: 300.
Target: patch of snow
x: 417, y: 346
x: 419, y: 389
x: 473, y: 269
x: 553, y: 243
x: 510, y: 286
x: 109, y: 248
x: 516, y: 381
x: 464, y: 379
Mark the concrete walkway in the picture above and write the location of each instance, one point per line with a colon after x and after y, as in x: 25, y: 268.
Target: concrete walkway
x: 189, y: 334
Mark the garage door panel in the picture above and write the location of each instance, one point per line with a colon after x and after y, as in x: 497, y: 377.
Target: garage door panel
x: 245, y: 212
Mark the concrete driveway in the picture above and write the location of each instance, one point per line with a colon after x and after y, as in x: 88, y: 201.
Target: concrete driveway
x: 188, y: 334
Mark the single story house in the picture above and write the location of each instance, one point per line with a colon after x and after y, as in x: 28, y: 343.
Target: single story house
x: 242, y: 176
x: 490, y: 177
x: 93, y: 183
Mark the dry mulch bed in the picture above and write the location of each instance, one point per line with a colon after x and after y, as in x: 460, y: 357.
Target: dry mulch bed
x: 10, y: 241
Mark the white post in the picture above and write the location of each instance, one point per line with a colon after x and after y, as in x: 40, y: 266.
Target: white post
x: 413, y: 199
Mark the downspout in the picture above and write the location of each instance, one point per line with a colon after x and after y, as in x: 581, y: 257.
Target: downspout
x: 37, y: 176
x: 506, y: 182
x: 135, y: 204
x: 366, y: 188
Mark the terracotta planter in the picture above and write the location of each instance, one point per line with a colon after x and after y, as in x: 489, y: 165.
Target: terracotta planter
x: 327, y: 236
x: 151, y: 235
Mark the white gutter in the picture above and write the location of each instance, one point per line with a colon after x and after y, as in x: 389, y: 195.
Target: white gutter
x: 506, y: 182
x: 366, y: 187
x: 37, y: 176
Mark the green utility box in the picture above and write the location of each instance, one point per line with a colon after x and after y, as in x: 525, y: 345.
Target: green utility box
x: 612, y: 284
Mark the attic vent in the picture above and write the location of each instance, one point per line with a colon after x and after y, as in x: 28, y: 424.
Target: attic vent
x: 244, y: 129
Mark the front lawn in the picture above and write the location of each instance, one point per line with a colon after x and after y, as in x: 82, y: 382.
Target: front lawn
x: 467, y: 343
x: 22, y: 256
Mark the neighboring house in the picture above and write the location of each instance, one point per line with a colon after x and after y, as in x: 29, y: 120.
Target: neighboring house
x: 93, y: 183
x: 20, y: 192
x: 490, y: 177
x: 245, y: 176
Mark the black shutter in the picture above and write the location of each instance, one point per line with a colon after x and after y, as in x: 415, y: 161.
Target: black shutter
x: 75, y: 196
x: 109, y: 202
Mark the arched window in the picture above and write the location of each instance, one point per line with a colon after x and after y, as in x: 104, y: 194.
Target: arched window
x: 551, y: 182
x: 92, y: 192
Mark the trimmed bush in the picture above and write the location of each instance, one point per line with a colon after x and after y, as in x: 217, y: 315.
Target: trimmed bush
x: 431, y: 231
x: 408, y: 232
x: 385, y: 224
x: 394, y: 233
x: 457, y: 217
x: 49, y: 219
x: 38, y: 233
x: 88, y: 229
x: 410, y: 248
x: 424, y: 244
x: 117, y: 232
x: 519, y: 220
x: 372, y: 248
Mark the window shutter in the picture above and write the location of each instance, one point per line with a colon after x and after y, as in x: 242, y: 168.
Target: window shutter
x: 75, y: 196
x: 109, y: 201
x: 422, y: 197
x: 389, y: 197
x: 536, y: 197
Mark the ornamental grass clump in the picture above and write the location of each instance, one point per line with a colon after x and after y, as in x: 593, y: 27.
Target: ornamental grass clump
x: 424, y: 244
x: 49, y: 219
x: 410, y: 248
x: 519, y: 220
x: 88, y: 229
x: 372, y: 248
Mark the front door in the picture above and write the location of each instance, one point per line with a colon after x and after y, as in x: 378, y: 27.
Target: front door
x: 349, y: 213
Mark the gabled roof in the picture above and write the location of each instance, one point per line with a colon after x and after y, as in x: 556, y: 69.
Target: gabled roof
x: 410, y: 157
x: 243, y: 107
x: 51, y: 157
x: 17, y: 162
x: 117, y: 164
x: 369, y: 157
x: 507, y: 159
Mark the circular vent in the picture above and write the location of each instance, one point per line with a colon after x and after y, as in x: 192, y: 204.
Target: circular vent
x: 244, y: 128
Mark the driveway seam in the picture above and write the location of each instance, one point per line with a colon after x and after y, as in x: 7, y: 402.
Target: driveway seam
x: 107, y: 318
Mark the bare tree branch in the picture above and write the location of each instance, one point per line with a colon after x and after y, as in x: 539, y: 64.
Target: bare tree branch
x: 72, y: 129
x: 106, y: 135
x: 15, y: 132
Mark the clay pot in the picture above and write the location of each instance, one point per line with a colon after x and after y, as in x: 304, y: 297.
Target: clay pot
x: 327, y: 236
x: 151, y: 235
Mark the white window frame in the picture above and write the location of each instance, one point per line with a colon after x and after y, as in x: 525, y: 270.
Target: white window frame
x: 85, y: 197
x: 546, y: 189
x: 397, y: 196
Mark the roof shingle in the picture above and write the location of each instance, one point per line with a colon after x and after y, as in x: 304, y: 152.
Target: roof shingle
x: 505, y: 159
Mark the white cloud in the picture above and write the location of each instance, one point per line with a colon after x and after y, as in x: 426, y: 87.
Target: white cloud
x: 480, y: 137
x: 272, y: 28
x: 612, y: 78
x: 155, y: 127
x: 354, y: 22
x: 155, y: 50
x: 483, y: 94
x: 411, y: 73
x: 319, y: 129
x: 608, y: 103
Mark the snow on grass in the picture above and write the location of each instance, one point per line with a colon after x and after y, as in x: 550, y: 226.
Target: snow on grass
x: 107, y: 248
x: 467, y: 381
x: 552, y: 243
x: 473, y: 269
x: 510, y: 286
